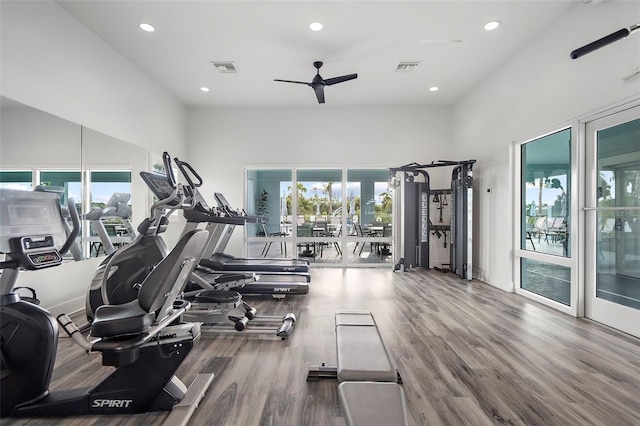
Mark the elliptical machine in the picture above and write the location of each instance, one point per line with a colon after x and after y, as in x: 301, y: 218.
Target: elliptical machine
x: 119, y: 275
x: 117, y: 279
x: 143, y: 339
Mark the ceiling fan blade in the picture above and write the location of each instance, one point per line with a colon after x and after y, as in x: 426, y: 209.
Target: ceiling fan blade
x: 291, y: 81
x: 335, y: 80
x: 319, y: 89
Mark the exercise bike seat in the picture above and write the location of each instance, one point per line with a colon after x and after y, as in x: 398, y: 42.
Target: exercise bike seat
x: 218, y: 296
x: 128, y: 318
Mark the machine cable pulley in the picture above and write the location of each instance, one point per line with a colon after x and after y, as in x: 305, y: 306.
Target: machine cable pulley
x: 418, y: 226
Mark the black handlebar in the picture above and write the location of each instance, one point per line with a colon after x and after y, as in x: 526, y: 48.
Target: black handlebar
x: 181, y: 165
x: 71, y: 239
x: 166, y: 159
x: 595, y: 45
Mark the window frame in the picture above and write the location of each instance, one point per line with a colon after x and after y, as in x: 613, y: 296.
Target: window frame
x: 576, y: 307
x: 344, y: 240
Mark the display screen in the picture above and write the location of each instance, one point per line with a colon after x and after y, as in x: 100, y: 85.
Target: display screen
x: 159, y: 186
x: 29, y: 213
x: 21, y: 214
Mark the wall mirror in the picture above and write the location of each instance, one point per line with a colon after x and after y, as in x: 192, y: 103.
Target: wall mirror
x: 40, y: 151
x: 114, y: 197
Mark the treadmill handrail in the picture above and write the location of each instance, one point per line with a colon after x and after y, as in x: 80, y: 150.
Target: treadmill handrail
x: 201, y: 217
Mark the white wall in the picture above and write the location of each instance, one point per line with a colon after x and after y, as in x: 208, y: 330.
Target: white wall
x: 539, y: 89
x: 53, y: 63
x: 222, y: 141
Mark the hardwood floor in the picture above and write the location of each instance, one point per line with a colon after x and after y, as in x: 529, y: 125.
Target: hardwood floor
x: 468, y: 354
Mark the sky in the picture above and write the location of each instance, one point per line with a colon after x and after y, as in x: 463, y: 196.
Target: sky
x: 549, y: 195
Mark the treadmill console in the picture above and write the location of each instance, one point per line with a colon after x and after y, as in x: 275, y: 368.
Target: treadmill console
x: 224, y: 206
x: 160, y: 187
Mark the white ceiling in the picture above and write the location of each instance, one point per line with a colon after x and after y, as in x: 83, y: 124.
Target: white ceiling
x: 272, y: 39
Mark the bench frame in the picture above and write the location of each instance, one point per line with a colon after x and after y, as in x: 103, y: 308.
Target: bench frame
x: 317, y: 372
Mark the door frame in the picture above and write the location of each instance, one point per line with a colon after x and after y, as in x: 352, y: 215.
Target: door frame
x: 618, y: 316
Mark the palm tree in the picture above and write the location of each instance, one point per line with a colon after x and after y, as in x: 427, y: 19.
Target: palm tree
x: 327, y: 190
x: 386, y: 202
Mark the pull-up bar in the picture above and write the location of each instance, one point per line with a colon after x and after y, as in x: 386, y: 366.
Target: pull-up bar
x: 415, y: 167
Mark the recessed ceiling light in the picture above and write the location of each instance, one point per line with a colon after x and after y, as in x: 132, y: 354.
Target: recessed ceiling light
x: 434, y: 89
x: 147, y: 27
x: 492, y: 25
x: 316, y: 26
x: 204, y: 89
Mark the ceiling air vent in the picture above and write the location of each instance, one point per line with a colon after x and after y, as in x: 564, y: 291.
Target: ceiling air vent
x: 226, y: 67
x: 407, y: 66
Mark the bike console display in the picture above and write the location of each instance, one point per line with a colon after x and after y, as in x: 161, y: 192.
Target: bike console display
x: 35, y: 252
x: 33, y: 214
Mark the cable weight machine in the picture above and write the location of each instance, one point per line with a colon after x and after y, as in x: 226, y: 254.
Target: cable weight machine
x: 416, y: 225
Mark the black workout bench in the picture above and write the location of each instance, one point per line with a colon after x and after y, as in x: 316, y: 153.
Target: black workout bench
x: 369, y: 390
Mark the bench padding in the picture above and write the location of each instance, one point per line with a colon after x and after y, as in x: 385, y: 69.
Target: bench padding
x: 361, y: 353
x: 370, y: 404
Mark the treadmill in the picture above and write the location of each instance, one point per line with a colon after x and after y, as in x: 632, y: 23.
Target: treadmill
x: 225, y: 262
x: 207, y: 280
x: 275, y: 277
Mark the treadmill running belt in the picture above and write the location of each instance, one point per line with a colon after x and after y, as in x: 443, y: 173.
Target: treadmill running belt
x: 225, y: 263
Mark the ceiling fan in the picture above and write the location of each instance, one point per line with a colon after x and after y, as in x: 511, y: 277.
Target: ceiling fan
x: 318, y: 83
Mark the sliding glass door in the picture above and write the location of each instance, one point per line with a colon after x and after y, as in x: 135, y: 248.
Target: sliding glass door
x: 613, y: 221
x: 269, y: 195
x: 333, y: 217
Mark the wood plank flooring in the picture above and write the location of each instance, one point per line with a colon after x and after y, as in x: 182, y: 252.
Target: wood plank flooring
x: 468, y: 354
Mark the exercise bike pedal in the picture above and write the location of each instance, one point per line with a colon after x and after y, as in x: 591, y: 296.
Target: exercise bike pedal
x: 241, y: 323
x: 286, y: 328
x: 251, y: 313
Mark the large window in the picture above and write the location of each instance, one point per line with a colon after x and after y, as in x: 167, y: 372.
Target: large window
x: 69, y: 181
x: 545, y: 216
x: 546, y: 279
x: 104, y: 184
x: 20, y: 180
x: 269, y: 196
x: 335, y: 216
x: 546, y: 172
x: 370, y: 216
